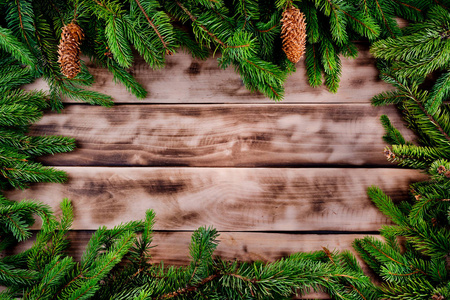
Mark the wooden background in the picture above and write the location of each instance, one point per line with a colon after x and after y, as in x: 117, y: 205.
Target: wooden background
x: 273, y: 178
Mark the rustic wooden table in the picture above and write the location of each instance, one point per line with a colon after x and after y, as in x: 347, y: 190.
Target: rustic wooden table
x: 273, y: 178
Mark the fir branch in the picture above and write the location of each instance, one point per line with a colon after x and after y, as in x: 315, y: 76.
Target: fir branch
x: 393, y: 135
x: 368, y: 29
x: 20, y: 20
x: 118, y: 44
x: 386, y: 255
x: 190, y: 289
x: 22, y: 27
x: 268, y: 30
x: 389, y: 97
x: 10, y: 44
x: 13, y: 276
x: 408, y: 5
x: 168, y: 51
x: 194, y: 19
x: 439, y: 92
x: 432, y: 119
x: 313, y: 66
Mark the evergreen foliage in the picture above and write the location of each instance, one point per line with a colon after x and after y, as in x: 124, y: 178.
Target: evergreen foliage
x: 418, y: 268
x: 246, y: 33
x: 18, y: 110
x: 413, y: 261
x: 116, y: 265
x: 410, y: 63
x: 423, y: 49
x: 432, y: 125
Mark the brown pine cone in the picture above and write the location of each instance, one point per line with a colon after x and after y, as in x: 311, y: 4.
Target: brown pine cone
x: 69, y: 50
x: 293, y: 33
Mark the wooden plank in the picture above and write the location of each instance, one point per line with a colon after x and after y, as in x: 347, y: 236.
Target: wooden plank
x: 188, y: 80
x: 173, y: 247
x: 230, y: 199
x: 221, y: 135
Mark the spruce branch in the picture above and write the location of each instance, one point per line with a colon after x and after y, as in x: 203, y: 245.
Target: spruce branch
x: 393, y: 135
x: 9, y: 43
x: 439, y: 93
x: 120, y: 48
x: 189, y: 289
x: 99, y: 275
x: 20, y: 20
x: 423, y: 265
x: 385, y: 20
x: 420, y: 269
x: 194, y: 19
x: 146, y: 26
x: 18, y: 110
x: 168, y: 51
x: 424, y: 115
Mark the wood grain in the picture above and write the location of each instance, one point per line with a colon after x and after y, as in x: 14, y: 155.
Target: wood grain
x: 188, y: 80
x: 230, y: 199
x: 249, y: 135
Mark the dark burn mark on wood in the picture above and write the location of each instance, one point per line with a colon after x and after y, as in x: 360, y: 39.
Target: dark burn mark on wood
x: 90, y: 65
x: 107, y: 208
x: 48, y: 129
x: 105, y: 204
x: 263, y: 136
x: 190, y: 112
x: 345, y: 115
x: 273, y: 188
x: 357, y: 82
x: 178, y: 153
x: 178, y: 218
x: 278, y: 187
x: 90, y: 188
x: 212, y: 141
x: 318, y: 206
x: 398, y: 196
x: 113, y: 117
x: 324, y: 190
x: 67, y: 127
x: 164, y: 186
x: 369, y: 61
x: 223, y: 111
x: 282, y: 254
x: 257, y: 140
x: 194, y: 69
x: 169, y: 64
x: 190, y: 216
